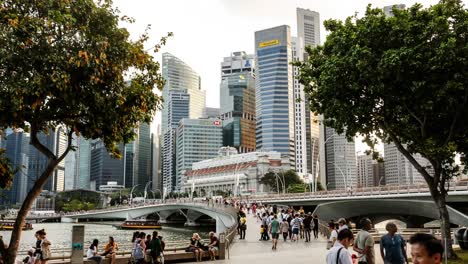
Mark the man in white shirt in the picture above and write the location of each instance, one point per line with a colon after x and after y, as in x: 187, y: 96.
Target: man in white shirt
x: 342, y: 224
x: 339, y: 253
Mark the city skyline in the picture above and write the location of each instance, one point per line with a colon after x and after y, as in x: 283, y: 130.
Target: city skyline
x: 236, y: 24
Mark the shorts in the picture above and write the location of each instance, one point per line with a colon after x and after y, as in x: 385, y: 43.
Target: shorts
x: 295, y: 231
x: 214, y: 248
x: 274, y: 235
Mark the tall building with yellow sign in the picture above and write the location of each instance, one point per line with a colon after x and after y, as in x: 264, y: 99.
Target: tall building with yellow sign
x: 274, y: 91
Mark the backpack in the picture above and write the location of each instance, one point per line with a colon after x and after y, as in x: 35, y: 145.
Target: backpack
x: 137, y: 250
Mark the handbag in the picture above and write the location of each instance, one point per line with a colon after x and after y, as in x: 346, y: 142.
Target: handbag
x: 329, y: 244
x: 46, y: 254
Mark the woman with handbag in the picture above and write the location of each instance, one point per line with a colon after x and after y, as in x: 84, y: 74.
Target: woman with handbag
x: 42, y: 252
x: 138, y: 251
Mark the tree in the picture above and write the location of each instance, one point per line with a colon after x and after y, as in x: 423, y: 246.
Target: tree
x: 64, y: 66
x: 402, y: 79
x: 275, y: 180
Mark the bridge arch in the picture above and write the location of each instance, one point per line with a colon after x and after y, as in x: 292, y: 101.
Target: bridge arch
x: 355, y: 208
x: 225, y: 217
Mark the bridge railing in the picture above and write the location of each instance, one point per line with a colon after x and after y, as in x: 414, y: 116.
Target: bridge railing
x: 361, y: 192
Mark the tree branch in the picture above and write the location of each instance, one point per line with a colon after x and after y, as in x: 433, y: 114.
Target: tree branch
x: 69, y: 147
x: 455, y: 117
x: 421, y: 122
x: 38, y: 145
x: 413, y: 161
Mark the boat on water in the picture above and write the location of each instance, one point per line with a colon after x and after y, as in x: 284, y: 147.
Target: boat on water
x: 140, y: 224
x: 7, y: 225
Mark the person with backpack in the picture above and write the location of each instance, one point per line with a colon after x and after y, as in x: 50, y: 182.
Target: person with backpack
x: 393, y: 246
x: 339, y: 253
x: 296, y: 225
x: 139, y: 248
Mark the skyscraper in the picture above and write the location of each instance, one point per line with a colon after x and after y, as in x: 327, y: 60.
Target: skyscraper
x: 274, y: 91
x: 181, y: 77
x: 305, y: 122
x: 143, y: 141
x: 17, y: 151
x: 365, y: 171
x: 338, y: 165
x: 237, y: 100
x: 104, y: 168
x: 178, y: 107
x: 56, y: 142
x: 83, y: 163
x: 197, y: 140
x: 398, y: 170
x: 211, y: 112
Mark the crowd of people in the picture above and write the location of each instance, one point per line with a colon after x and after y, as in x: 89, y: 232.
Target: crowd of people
x: 425, y: 248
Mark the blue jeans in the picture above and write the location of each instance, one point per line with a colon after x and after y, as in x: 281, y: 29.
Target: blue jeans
x: 98, y: 259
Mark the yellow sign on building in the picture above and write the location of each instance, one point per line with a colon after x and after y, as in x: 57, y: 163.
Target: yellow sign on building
x: 272, y: 42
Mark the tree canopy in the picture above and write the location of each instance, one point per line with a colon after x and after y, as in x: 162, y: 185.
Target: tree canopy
x: 280, y: 181
x: 401, y: 78
x: 68, y: 66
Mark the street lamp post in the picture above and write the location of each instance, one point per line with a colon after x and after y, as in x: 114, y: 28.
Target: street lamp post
x: 146, y: 193
x: 131, y: 193
x: 317, y: 165
x: 343, y: 175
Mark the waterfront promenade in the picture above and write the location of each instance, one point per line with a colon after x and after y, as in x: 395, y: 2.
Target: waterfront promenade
x: 253, y: 251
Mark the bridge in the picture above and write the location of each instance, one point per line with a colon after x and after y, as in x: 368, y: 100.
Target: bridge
x: 225, y: 216
x: 411, y: 204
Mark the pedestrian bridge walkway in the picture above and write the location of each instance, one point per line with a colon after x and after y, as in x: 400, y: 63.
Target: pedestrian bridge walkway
x: 253, y: 251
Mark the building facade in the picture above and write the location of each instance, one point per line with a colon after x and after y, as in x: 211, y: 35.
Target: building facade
x: 84, y: 163
x: 143, y: 175
x: 178, y: 107
x: 17, y: 151
x: 365, y: 171
x: 338, y: 165
x: 233, y: 173
x: 197, y: 140
x: 211, y: 112
x: 306, y: 126
x: 398, y: 170
x: 105, y: 168
x: 274, y: 91
x: 181, y: 77
x: 237, y: 100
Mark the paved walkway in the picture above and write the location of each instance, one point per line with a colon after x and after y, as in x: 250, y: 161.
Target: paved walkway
x: 253, y: 251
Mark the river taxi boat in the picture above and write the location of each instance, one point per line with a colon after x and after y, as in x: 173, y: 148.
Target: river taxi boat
x: 140, y: 224
x: 7, y: 225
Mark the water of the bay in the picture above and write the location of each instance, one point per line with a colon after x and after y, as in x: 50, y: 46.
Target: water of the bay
x: 59, y: 235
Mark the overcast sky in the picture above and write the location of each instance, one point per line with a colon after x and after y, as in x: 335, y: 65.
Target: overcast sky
x: 205, y: 31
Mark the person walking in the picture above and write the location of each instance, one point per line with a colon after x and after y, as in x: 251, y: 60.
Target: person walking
x: 285, y: 229
x: 426, y: 249
x: 243, y: 226
x: 296, y: 225
x: 139, y: 248
x: 265, y: 224
x: 339, y: 253
x: 316, y: 226
x: 156, y: 248
x: 333, y: 235
x: 92, y: 253
x: 274, y: 231
x: 393, y: 246
x: 307, y: 223
x: 342, y: 224
x: 365, y: 243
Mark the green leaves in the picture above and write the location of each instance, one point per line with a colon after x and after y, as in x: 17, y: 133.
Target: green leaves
x: 402, y: 76
x: 64, y: 63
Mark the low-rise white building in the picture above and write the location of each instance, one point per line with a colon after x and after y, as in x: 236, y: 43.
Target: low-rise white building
x: 237, y: 174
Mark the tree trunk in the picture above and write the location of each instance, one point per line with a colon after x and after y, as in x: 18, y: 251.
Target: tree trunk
x: 445, y: 226
x: 12, y: 250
